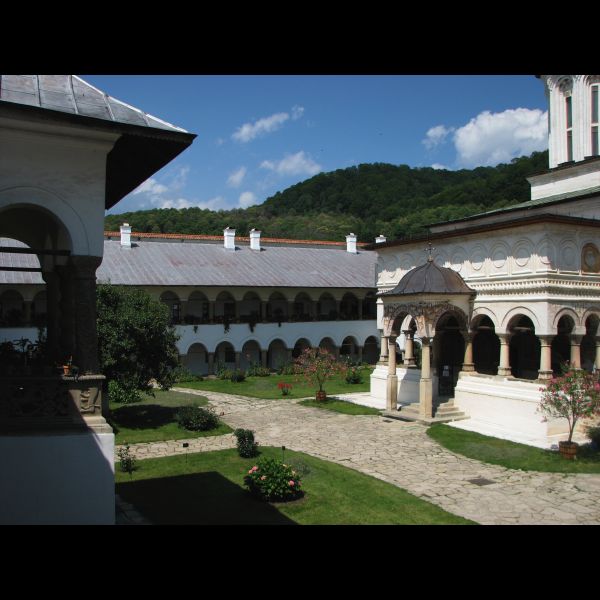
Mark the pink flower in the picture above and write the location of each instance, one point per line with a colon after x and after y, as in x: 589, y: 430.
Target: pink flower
x: 292, y: 483
x: 263, y: 477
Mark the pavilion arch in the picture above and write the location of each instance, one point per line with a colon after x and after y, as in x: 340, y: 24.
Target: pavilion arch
x: 571, y: 315
x: 277, y: 308
x: 371, y: 350
x: 369, y: 306
x: 303, y: 308
x: 326, y: 307
x: 250, y: 307
x: 299, y: 347
x: 11, y: 309
x: 171, y: 299
x: 525, y: 348
x: 328, y: 344
x: 482, y: 311
x: 196, y: 359
x: 449, y: 347
x: 225, y: 307
x: 486, y: 345
x: 349, y: 348
x: 349, y: 307
x: 515, y: 314
x: 225, y: 355
x: 588, y: 342
x: 277, y: 354
x: 564, y: 327
x: 250, y: 354
x: 197, y: 308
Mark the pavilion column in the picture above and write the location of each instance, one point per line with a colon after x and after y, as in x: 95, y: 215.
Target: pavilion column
x: 545, y: 371
x: 359, y: 350
x: 338, y: 307
x: 289, y: 351
x: 263, y: 311
x: 52, y: 315
x: 425, y: 384
x: 409, y: 348
x: 263, y: 358
x: 597, y: 361
x: 211, y: 311
x: 290, y: 310
x: 392, y: 378
x: 468, y: 364
x: 383, y: 357
x: 211, y: 363
x: 66, y: 313
x: 86, y: 337
x: 360, y: 310
x: 237, y: 360
x: 504, y: 367
x: 236, y: 311
x: 314, y: 306
x: 576, y: 351
x: 336, y: 352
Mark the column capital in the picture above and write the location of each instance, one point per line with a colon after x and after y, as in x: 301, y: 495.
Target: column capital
x: 84, y: 266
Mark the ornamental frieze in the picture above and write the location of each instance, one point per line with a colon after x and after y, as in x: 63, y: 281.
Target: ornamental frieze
x: 425, y: 314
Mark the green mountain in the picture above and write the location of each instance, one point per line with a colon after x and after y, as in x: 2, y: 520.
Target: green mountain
x: 369, y: 199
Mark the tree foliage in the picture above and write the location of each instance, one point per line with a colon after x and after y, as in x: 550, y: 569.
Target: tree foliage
x: 368, y: 199
x: 136, y: 342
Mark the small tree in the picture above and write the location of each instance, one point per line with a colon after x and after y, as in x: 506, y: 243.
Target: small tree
x: 573, y: 396
x: 317, y: 365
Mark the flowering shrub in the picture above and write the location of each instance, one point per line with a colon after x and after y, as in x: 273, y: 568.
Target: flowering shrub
x: 285, y: 388
x: 573, y: 396
x: 126, y: 460
x: 317, y: 365
x: 272, y: 480
x: 353, y: 375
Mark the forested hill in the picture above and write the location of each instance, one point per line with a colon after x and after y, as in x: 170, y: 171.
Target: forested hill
x: 369, y: 200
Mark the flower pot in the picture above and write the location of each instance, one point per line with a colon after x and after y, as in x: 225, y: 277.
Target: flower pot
x: 321, y: 396
x: 568, y: 450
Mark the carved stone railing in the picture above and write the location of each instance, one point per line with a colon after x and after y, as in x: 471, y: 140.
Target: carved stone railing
x: 55, y: 402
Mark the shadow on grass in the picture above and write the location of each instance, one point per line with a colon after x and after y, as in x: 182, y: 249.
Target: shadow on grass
x: 143, y: 416
x: 198, y: 499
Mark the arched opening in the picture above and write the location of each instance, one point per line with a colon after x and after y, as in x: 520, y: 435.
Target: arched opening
x: 588, y: 343
x: 449, y: 352
x: 561, y: 343
x: 250, y: 309
x: 173, y: 303
x: 11, y: 309
x: 197, y: 309
x: 371, y: 350
x: 299, y: 347
x: 525, y: 348
x: 486, y: 346
x: 225, y: 308
x: 302, y: 308
x: 349, y: 349
x: 326, y: 308
x: 277, y: 308
x: 224, y: 356
x: 349, y: 307
x: 276, y: 354
x: 369, y: 306
x: 196, y: 360
x: 328, y: 344
x: 250, y: 355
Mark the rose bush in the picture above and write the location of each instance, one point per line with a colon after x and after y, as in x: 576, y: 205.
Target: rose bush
x: 272, y: 480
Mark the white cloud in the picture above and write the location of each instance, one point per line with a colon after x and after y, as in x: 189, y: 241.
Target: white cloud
x: 151, y: 186
x: 235, y: 179
x: 248, y: 131
x: 247, y: 199
x: 436, y: 136
x: 492, y: 138
x: 438, y: 166
x: 294, y: 164
x: 297, y: 112
x: 180, y: 203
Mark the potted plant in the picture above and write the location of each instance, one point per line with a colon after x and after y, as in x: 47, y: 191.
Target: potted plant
x: 317, y: 365
x: 573, y: 396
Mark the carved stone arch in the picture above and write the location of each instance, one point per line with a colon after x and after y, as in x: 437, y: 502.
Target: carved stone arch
x: 450, y: 309
x: 565, y: 83
x: 592, y: 79
x: 566, y: 312
x: 392, y: 313
x: 524, y: 311
x: 592, y: 311
x: 481, y: 311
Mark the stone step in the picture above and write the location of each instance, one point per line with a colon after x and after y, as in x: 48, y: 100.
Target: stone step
x: 411, y: 413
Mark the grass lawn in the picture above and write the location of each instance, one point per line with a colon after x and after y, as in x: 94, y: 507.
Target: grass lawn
x: 208, y: 490
x: 511, y: 455
x: 266, y: 387
x: 341, y: 406
x: 153, y: 419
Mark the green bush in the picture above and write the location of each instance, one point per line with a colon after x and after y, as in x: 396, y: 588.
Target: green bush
x: 255, y: 370
x: 594, y: 435
x: 286, y: 369
x: 353, y: 375
x: 224, y: 373
x: 195, y: 418
x: 118, y: 392
x: 247, y: 447
x: 273, y: 481
x: 184, y: 374
x: 126, y: 460
x: 237, y: 376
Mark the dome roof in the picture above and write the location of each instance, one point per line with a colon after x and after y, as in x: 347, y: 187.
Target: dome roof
x: 431, y: 279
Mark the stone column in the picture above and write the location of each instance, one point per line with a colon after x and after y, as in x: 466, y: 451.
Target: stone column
x: 383, y: 357
x: 392, y: 379
x: 211, y: 311
x: 338, y: 306
x: 289, y: 351
x: 359, y: 350
x: 86, y: 337
x: 182, y: 311
x: 576, y: 351
x: 545, y: 371
x: 425, y: 384
x: 504, y: 368
x: 290, y: 310
x: 468, y: 364
x: 211, y: 363
x: 336, y: 352
x: 263, y: 358
x: 597, y: 361
x: 263, y: 311
x: 360, y: 309
x: 67, y: 313
x: 237, y: 360
x: 236, y: 311
x: 52, y: 315
x: 409, y: 348
x: 313, y: 308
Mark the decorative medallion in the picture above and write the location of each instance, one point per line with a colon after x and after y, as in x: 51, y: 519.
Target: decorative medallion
x: 590, y: 259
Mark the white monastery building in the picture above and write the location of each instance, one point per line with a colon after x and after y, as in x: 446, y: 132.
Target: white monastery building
x: 498, y: 301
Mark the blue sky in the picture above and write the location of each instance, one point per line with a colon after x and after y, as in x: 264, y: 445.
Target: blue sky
x: 261, y: 134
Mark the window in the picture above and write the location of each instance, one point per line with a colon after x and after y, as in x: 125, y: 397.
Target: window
x: 595, y: 110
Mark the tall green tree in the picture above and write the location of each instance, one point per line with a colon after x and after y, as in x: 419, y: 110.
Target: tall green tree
x: 136, y: 342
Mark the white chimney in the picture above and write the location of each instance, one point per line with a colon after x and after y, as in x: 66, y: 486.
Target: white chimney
x: 126, y: 235
x: 380, y: 239
x: 351, y: 243
x: 254, y: 239
x: 229, y: 237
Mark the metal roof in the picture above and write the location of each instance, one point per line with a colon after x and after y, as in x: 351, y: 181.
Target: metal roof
x: 149, y: 263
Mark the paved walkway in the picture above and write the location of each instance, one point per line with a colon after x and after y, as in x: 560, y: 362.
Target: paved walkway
x: 402, y: 454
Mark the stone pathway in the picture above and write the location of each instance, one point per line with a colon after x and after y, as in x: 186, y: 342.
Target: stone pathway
x: 402, y: 454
